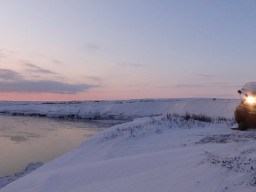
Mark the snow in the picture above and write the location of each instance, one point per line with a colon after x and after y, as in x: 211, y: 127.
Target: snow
x: 155, y: 153
x: 8, y: 179
x: 127, y: 109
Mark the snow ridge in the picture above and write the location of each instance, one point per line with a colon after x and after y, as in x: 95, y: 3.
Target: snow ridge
x: 158, y: 124
x: 8, y: 179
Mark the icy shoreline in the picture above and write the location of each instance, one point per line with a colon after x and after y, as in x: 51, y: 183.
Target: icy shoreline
x: 11, y: 178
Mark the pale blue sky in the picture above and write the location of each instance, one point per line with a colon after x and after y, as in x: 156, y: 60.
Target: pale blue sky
x: 122, y: 49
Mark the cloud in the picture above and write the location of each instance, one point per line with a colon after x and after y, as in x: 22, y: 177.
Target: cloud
x: 131, y: 64
x: 36, y: 69
x: 9, y: 75
x: 11, y: 81
x: 2, y: 53
x: 226, y: 85
x: 184, y: 85
x: 206, y: 76
x: 211, y: 84
x: 56, y: 61
x: 5, y: 52
x: 91, y: 47
x: 43, y: 87
x: 231, y: 86
x: 94, y: 78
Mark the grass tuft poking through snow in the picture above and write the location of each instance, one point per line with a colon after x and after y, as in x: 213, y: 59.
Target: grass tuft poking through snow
x: 158, y: 124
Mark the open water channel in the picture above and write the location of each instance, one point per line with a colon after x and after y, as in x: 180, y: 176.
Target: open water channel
x: 35, y: 139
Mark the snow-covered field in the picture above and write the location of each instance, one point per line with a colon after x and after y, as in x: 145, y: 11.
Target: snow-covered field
x: 162, y: 152
x: 127, y: 109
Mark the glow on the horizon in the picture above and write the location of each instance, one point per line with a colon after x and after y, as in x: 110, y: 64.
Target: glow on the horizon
x: 114, y: 94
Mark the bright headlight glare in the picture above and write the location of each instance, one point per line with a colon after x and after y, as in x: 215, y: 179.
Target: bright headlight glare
x: 250, y: 100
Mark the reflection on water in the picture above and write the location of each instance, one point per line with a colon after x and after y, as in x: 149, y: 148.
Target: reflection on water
x: 16, y: 138
x: 31, y: 139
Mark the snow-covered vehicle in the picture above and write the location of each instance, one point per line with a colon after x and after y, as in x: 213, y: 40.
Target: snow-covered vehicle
x: 245, y: 113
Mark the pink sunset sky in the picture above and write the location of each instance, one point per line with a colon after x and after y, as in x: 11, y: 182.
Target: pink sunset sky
x: 53, y: 50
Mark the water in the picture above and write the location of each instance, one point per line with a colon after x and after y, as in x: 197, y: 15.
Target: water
x: 31, y: 139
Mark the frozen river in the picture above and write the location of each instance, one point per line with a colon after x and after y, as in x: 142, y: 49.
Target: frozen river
x: 34, y: 139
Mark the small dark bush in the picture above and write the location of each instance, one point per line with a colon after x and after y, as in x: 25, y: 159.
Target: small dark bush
x: 187, y: 116
x: 222, y: 119
x: 201, y: 117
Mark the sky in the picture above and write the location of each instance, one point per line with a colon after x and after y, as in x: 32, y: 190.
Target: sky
x: 53, y: 50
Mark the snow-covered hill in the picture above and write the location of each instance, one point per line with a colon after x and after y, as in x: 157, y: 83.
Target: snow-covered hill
x: 168, y: 152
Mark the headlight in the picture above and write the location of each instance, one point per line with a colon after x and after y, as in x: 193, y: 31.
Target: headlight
x: 251, y: 100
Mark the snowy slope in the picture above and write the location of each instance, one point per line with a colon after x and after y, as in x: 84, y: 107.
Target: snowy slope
x: 164, y: 153
x: 8, y: 179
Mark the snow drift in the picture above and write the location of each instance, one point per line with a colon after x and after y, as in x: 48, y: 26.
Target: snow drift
x: 169, y: 152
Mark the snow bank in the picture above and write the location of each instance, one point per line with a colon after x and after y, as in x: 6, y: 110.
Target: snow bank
x: 163, y: 153
x: 8, y: 179
x: 128, y: 109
